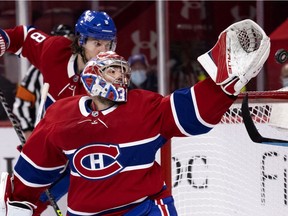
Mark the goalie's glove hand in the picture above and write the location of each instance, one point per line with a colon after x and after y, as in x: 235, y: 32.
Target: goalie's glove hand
x: 238, y: 56
x: 4, y: 42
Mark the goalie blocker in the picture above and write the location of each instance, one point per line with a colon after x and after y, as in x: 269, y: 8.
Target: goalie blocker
x: 12, y: 208
x: 237, y: 57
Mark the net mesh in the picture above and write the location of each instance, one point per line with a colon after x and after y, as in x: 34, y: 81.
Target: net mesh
x: 259, y: 112
x: 225, y: 173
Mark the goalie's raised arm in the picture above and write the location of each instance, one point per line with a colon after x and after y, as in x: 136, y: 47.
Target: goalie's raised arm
x: 238, y: 56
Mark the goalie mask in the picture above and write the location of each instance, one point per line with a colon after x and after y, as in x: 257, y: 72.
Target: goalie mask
x: 107, y: 76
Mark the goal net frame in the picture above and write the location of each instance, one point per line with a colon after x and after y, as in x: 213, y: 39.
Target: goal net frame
x: 223, y: 172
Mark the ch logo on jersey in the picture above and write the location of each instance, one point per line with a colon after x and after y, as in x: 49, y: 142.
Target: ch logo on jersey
x: 97, y: 161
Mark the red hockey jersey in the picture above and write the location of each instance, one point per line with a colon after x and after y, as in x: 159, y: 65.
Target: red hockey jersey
x: 52, y: 55
x: 111, y: 153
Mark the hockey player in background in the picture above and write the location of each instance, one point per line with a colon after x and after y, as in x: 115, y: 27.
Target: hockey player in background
x: 61, y: 61
x: 28, y: 95
x: 109, y: 137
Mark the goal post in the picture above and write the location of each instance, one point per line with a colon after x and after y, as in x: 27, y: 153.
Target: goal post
x: 224, y: 173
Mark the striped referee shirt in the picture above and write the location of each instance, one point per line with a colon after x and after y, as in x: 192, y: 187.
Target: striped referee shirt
x: 28, y: 98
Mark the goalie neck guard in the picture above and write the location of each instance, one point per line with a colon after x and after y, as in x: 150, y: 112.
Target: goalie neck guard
x: 107, y: 76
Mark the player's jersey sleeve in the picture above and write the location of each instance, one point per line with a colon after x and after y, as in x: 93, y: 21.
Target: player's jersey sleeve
x: 29, y: 42
x: 40, y: 163
x: 198, y: 109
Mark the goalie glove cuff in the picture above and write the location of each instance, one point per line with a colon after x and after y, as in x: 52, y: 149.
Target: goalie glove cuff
x: 4, y: 42
x: 234, y: 86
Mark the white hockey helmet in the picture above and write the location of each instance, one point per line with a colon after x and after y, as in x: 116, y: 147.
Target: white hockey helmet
x: 95, y: 71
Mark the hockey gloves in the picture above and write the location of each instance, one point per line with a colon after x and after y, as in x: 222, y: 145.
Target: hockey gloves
x: 3, y: 42
x: 237, y: 57
x: 11, y: 208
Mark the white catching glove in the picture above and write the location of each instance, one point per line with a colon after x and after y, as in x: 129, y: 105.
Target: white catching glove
x: 238, y: 56
x: 3, y: 42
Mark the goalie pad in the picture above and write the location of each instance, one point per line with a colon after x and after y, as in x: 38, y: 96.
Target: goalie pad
x: 237, y: 57
x: 4, y: 42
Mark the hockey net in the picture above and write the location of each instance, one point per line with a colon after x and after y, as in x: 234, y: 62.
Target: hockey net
x: 225, y: 173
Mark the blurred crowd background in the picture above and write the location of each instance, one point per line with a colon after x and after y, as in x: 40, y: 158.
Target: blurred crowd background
x: 191, y: 28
